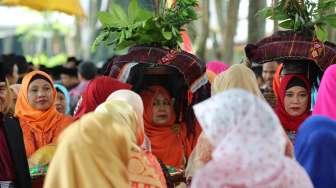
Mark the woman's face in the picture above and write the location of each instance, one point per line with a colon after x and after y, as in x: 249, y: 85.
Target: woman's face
x: 40, y: 94
x: 296, y: 100
x: 60, y: 102
x: 161, y: 110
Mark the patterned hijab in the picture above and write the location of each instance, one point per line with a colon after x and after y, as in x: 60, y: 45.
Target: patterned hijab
x: 249, y: 145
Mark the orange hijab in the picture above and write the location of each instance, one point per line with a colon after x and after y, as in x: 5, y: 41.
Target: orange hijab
x: 39, y: 127
x: 168, y: 145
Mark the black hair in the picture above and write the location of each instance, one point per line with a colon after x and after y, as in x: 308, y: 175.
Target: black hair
x: 22, y: 64
x: 39, y: 76
x: 8, y: 63
x: 257, y: 69
x: 87, y: 70
x: 296, y: 81
x: 69, y: 71
x: 73, y: 59
x: 2, y: 72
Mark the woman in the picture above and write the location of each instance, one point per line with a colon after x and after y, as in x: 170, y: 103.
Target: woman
x: 62, y: 99
x: 248, y: 145
x: 293, y: 103
x: 169, y: 141
x: 315, y: 151
x: 237, y: 76
x: 35, y: 108
x: 326, y: 96
x: 96, y: 93
x: 92, y: 152
x: 151, y: 175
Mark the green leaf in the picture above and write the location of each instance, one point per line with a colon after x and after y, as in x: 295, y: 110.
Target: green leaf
x: 124, y: 45
x: 143, y: 15
x: 321, y: 33
x: 279, y: 14
x: 297, y: 22
x: 287, y: 24
x: 326, y: 4
x: 166, y: 34
x: 265, y: 12
x: 101, y: 37
x: 119, y: 14
x: 132, y: 10
x: 105, y: 18
x: 330, y: 20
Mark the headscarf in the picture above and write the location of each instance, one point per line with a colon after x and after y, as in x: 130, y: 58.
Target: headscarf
x: 326, y: 96
x: 289, y: 122
x: 315, y: 150
x: 84, y: 157
x: 167, y: 144
x: 143, y: 168
x: 237, y: 76
x: 66, y: 95
x: 248, y: 145
x: 97, y: 92
x: 276, y: 80
x: 216, y: 67
x: 39, y: 127
x: 135, y: 101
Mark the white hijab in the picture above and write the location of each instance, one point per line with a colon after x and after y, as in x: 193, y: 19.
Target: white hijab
x: 249, y: 144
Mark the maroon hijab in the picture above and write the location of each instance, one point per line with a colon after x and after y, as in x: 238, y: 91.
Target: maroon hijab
x: 289, y: 122
x: 97, y: 92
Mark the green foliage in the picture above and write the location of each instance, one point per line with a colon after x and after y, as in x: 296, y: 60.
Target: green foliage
x: 138, y: 26
x: 303, y: 16
x: 44, y: 59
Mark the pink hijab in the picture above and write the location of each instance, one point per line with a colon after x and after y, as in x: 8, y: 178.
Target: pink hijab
x: 216, y: 66
x: 248, y: 145
x: 326, y: 96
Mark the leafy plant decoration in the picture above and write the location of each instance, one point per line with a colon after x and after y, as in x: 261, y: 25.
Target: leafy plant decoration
x: 303, y: 16
x: 138, y: 26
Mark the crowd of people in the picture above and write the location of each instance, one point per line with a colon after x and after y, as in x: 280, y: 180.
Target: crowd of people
x: 92, y: 130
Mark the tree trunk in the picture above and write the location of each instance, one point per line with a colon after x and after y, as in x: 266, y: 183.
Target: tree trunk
x: 256, y: 24
x: 78, y: 39
x: 201, y: 46
x: 220, y: 9
x: 231, y: 27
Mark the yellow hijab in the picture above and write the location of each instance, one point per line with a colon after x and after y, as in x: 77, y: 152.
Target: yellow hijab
x: 143, y: 169
x: 92, y: 152
x: 237, y: 76
x: 126, y: 115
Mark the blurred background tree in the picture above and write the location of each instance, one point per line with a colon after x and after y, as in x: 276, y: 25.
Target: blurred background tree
x: 223, y: 29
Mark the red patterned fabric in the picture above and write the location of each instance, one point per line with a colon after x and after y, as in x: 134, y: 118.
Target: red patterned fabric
x: 288, y: 45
